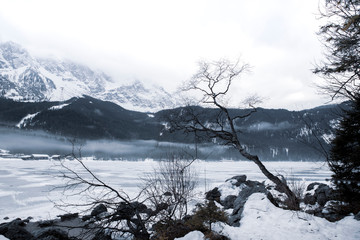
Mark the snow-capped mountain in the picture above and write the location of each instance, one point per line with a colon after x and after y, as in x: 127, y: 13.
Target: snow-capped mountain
x: 138, y: 97
x: 24, y: 77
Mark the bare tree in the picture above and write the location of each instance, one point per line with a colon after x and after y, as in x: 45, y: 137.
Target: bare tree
x: 83, y: 190
x: 173, y: 183
x: 164, y: 195
x: 213, y: 81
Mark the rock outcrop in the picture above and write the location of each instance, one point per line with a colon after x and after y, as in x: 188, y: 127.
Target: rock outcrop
x: 236, y: 202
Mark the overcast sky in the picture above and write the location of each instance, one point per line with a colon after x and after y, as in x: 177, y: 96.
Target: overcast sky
x: 161, y: 41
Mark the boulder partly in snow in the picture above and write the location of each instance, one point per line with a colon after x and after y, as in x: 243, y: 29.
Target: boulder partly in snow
x: 98, y: 210
x: 234, y: 194
x: 15, y: 229
x: 247, y: 189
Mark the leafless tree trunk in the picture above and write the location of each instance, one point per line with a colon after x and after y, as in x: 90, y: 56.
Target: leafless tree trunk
x: 213, y: 81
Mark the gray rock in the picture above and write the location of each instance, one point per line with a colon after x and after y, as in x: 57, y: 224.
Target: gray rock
x: 357, y: 216
x: 250, y: 188
x: 15, y: 230
x: 86, y: 217
x: 139, y: 207
x: 311, y: 186
x: 321, y: 198
x: 309, y: 199
x: 257, y: 186
x: 52, y: 234
x: 333, y: 216
x: 327, y: 199
x: 213, y: 195
x: 323, y: 188
x: 228, y: 202
x: 46, y: 223
x: 123, y: 211
x: 68, y: 216
x: 323, y: 194
x: 240, y: 179
x: 331, y: 211
x: 98, y: 209
x: 127, y: 211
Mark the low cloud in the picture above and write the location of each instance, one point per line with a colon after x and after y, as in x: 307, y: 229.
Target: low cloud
x: 263, y: 126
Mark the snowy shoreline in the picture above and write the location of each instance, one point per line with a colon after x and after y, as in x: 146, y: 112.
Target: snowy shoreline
x: 25, y: 185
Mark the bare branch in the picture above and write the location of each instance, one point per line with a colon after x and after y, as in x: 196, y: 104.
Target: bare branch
x: 87, y: 191
x: 213, y: 80
x: 341, y: 38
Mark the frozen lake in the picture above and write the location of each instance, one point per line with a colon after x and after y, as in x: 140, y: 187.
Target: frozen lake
x: 25, y: 185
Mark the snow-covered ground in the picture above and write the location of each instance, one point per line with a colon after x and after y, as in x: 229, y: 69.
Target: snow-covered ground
x: 25, y: 186
x: 262, y: 220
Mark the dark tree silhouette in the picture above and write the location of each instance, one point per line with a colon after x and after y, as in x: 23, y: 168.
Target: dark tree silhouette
x: 341, y: 38
x: 344, y: 158
x: 213, y: 81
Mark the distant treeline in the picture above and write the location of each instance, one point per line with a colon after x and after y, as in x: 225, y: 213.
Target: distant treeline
x: 110, y: 131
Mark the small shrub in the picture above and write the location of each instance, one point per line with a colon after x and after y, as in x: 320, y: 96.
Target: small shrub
x: 205, y: 215
x: 202, y: 219
x: 170, y: 229
x: 345, y: 208
x: 296, y: 186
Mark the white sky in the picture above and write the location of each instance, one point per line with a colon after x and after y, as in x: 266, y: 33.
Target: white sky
x: 161, y: 41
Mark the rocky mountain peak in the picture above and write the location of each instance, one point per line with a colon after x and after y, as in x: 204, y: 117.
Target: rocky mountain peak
x: 23, y: 77
x: 12, y: 47
x: 15, y: 55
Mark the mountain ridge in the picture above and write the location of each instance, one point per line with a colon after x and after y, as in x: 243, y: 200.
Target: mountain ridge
x: 24, y: 77
x: 270, y: 133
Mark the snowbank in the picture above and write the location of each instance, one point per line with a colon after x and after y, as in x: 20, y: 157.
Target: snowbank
x: 262, y: 220
x: 195, y: 235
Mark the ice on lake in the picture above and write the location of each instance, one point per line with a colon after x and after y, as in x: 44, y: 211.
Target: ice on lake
x: 25, y: 185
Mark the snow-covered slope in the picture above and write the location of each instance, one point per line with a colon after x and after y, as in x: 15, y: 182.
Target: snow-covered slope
x: 24, y: 77
x: 137, y: 97
x: 262, y: 220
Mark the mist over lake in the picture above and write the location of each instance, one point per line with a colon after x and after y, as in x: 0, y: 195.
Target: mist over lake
x: 35, y: 141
